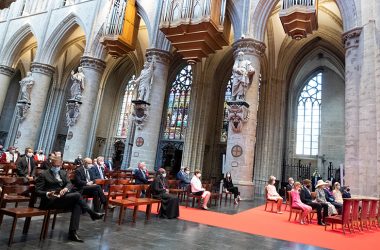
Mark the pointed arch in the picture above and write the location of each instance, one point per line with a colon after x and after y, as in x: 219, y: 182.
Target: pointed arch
x: 15, y: 43
x: 54, y: 42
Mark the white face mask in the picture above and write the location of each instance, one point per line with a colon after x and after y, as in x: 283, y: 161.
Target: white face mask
x: 29, y: 154
x: 164, y: 175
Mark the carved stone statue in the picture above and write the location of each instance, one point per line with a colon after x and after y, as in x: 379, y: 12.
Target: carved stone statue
x: 242, y: 73
x: 145, y: 81
x: 78, y: 84
x: 26, y: 85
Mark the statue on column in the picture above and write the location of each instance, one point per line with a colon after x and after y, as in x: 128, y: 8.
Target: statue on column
x: 78, y: 84
x: 26, y: 85
x: 242, y: 73
x: 145, y: 81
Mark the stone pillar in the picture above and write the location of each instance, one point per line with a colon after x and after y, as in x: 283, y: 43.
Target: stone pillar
x: 29, y: 128
x: 6, y: 74
x: 150, y: 131
x: 240, y: 152
x: 78, y: 135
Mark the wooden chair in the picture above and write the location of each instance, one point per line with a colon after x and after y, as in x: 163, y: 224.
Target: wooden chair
x: 313, y: 211
x: 174, y: 188
x: 372, y: 218
x: 364, y: 218
x: 190, y: 195
x: 268, y: 201
x: 287, y: 203
x: 9, y: 169
x: 216, y: 196
x: 297, y: 211
x: 355, y: 220
x: 22, y: 212
x: 343, y: 219
x: 226, y: 194
x: 115, y: 197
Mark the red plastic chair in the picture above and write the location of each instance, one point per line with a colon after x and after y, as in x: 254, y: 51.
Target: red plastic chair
x: 343, y: 219
x: 373, y: 213
x: 364, y: 214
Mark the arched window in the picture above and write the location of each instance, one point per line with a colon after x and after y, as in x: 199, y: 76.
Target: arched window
x: 126, y: 109
x: 308, y: 117
x: 178, y: 105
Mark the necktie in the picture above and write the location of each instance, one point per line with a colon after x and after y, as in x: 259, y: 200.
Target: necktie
x: 110, y: 166
x: 100, y: 172
x: 87, y: 175
x: 143, y: 173
x: 29, y: 167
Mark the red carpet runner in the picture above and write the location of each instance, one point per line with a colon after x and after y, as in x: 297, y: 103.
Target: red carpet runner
x: 257, y: 221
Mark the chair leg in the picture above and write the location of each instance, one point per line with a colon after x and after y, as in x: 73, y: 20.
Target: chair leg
x: 47, y: 224
x: 12, y: 231
x: 290, y: 215
x: 135, y: 213
x: 148, y: 211
x: 266, y: 203
x: 53, y: 223
x: 43, y: 227
x: 272, y: 207
x: 26, y: 225
x: 121, y: 214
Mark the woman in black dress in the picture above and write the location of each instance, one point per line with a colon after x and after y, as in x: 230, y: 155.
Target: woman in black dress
x: 169, y: 203
x: 229, y: 187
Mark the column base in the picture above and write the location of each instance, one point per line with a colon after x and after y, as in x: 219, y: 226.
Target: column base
x: 246, y: 189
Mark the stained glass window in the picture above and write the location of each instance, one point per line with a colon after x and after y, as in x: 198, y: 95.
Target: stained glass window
x: 178, y: 105
x: 126, y: 109
x: 308, y: 117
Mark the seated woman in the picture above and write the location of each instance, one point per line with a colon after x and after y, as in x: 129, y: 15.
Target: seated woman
x: 169, y: 203
x: 272, y: 193
x: 229, y: 187
x: 321, y: 198
x: 297, y: 203
x: 197, y: 189
x: 337, y: 194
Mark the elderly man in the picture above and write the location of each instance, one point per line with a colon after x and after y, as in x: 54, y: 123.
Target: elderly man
x: 56, y: 192
x: 141, y: 176
x: 290, y: 184
x: 84, y: 181
x: 98, y: 169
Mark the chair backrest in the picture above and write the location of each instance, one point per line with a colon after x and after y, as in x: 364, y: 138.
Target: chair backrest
x: 115, y: 190
x: 9, y: 180
x: 346, y: 211
x: 266, y: 192
x: 289, y: 196
x: 313, y: 195
x: 23, y: 190
x: 173, y: 183
x: 373, y: 208
x: 355, y: 209
x: 123, y: 181
x: 364, y: 211
x: 133, y: 188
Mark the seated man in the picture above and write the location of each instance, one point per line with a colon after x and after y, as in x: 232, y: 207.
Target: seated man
x: 306, y: 198
x: 290, y: 185
x: 140, y: 175
x: 184, y: 176
x: 26, y: 166
x: 56, y: 192
x: 84, y: 181
x: 98, y: 169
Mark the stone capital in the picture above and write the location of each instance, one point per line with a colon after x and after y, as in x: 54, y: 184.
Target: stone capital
x: 42, y: 68
x: 93, y: 63
x: 160, y: 56
x: 351, y: 38
x: 249, y: 46
x: 5, y: 70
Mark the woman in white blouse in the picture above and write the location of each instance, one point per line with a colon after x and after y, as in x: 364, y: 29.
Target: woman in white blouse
x: 197, y: 189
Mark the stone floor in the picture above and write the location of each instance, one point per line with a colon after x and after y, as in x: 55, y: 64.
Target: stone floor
x: 155, y: 234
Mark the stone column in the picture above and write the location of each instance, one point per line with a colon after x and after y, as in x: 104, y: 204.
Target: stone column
x: 242, y: 144
x: 78, y: 135
x: 6, y: 74
x: 352, y: 85
x: 150, y: 131
x: 29, y: 128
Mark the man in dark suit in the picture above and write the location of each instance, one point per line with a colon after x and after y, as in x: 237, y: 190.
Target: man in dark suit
x: 26, y: 166
x: 56, y: 192
x: 306, y: 198
x: 84, y: 181
x: 140, y: 174
x: 184, y: 176
x: 98, y: 169
x: 290, y: 184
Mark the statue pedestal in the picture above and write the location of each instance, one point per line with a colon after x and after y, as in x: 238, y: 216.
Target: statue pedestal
x: 140, y: 112
x: 22, y: 109
x: 72, y: 112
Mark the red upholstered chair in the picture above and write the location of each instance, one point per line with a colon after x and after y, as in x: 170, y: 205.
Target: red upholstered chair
x: 364, y: 214
x: 373, y: 213
x: 295, y: 210
x: 343, y: 219
x: 355, y: 220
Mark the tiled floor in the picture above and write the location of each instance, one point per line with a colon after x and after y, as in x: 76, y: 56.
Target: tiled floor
x: 155, y: 234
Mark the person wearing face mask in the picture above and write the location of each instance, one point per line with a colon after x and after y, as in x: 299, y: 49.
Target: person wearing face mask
x: 184, y: 176
x: 197, y: 189
x: 290, y: 185
x: 84, y: 182
x: 272, y: 193
x: 160, y: 190
x: 78, y: 161
x: 140, y: 174
x: 10, y: 156
x: 229, y: 187
x: 26, y: 166
x: 57, y: 192
x: 307, y: 199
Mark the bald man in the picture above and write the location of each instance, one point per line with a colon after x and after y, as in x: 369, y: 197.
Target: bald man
x: 84, y: 181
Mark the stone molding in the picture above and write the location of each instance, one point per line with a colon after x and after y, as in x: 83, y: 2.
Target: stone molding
x: 351, y: 37
x: 161, y: 56
x: 42, y: 68
x: 249, y: 46
x: 93, y: 63
x: 5, y: 70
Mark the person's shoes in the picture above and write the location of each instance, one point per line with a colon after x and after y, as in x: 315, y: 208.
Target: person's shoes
x: 73, y: 236
x: 321, y: 223
x: 111, y: 206
x: 236, y: 201
x: 205, y: 208
x: 238, y: 198
x: 96, y: 216
x: 279, y: 212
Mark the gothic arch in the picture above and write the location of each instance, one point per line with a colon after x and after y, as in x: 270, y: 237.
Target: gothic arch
x: 54, y: 42
x: 144, y: 16
x: 15, y: 43
x: 258, y: 21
